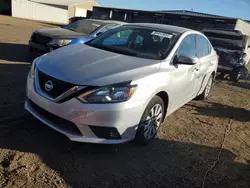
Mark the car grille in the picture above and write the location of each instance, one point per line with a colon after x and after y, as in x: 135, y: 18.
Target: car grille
x: 58, y: 122
x: 59, y: 86
x: 40, y: 39
x: 106, y: 132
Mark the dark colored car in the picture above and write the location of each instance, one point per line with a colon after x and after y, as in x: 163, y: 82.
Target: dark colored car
x: 77, y: 32
x: 233, y: 50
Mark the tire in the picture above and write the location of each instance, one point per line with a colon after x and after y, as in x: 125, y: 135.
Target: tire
x: 235, y: 76
x: 150, y: 121
x: 204, y: 95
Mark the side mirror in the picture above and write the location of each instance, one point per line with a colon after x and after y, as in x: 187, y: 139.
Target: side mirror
x: 186, y: 60
x: 99, y: 33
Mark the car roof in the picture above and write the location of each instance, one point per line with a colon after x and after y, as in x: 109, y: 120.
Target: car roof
x: 171, y: 28
x: 106, y: 21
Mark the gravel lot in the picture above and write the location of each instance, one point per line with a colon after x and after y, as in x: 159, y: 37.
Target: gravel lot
x: 202, y: 143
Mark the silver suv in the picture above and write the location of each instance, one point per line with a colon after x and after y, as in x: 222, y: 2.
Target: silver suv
x: 122, y: 85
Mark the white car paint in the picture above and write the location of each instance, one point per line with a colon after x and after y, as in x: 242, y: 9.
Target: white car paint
x: 181, y: 82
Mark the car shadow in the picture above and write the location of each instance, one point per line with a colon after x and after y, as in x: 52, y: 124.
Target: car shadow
x: 14, y: 52
x: 13, y: 89
x: 220, y: 110
x: 245, y: 84
x: 162, y: 163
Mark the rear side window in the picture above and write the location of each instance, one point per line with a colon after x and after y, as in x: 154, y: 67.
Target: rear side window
x: 187, y: 47
x: 203, y: 46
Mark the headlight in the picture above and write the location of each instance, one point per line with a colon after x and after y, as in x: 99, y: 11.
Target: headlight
x: 34, y: 65
x: 59, y: 42
x: 108, y: 94
x: 32, y: 69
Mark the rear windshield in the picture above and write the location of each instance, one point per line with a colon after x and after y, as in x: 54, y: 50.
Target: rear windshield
x: 136, y: 41
x: 84, y: 26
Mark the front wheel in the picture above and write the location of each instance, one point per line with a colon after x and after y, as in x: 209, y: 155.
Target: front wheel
x: 235, y: 75
x: 207, y: 89
x: 150, y: 121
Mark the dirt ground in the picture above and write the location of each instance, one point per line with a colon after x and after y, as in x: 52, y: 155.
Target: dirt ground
x: 203, y: 144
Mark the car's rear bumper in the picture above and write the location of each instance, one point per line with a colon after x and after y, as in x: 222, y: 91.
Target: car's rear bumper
x: 89, y: 119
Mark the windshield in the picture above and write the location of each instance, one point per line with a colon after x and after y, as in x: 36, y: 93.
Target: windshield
x: 138, y: 42
x: 84, y: 26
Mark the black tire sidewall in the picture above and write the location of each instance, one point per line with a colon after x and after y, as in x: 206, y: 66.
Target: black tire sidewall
x: 236, y: 75
x: 140, y: 138
x: 203, y: 96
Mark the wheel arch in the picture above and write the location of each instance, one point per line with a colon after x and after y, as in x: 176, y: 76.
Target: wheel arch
x: 165, y: 98
x: 213, y: 74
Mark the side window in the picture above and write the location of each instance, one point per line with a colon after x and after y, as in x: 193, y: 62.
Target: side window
x: 187, y: 47
x: 138, y: 40
x: 125, y: 33
x: 203, y: 46
x: 108, y: 27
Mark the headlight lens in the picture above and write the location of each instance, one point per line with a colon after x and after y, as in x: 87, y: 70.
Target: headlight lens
x: 108, y: 94
x: 59, y: 42
x: 34, y: 65
x: 32, y: 69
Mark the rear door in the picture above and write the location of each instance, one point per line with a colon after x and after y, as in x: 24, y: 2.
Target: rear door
x: 207, y: 58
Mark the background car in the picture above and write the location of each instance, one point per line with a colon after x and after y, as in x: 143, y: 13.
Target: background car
x: 121, y: 85
x: 233, y: 49
x: 81, y: 31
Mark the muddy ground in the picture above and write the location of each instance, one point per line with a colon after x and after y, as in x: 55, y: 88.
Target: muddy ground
x: 203, y: 144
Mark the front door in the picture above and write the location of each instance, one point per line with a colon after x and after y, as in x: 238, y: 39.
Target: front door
x: 204, y: 50
x: 185, y: 76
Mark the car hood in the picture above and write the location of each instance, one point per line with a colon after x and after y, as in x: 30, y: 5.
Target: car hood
x: 84, y: 65
x: 60, y: 33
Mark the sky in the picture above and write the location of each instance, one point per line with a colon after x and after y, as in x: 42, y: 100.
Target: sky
x: 231, y: 8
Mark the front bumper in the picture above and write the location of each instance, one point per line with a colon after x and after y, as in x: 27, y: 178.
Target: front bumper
x: 124, y: 117
x: 42, y: 47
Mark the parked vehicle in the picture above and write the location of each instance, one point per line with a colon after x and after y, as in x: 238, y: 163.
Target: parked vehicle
x: 233, y: 49
x: 77, y: 32
x: 74, y: 19
x: 121, y: 85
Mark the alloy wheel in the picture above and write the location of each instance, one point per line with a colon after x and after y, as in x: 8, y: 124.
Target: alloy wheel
x: 153, y: 121
x: 209, y: 86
